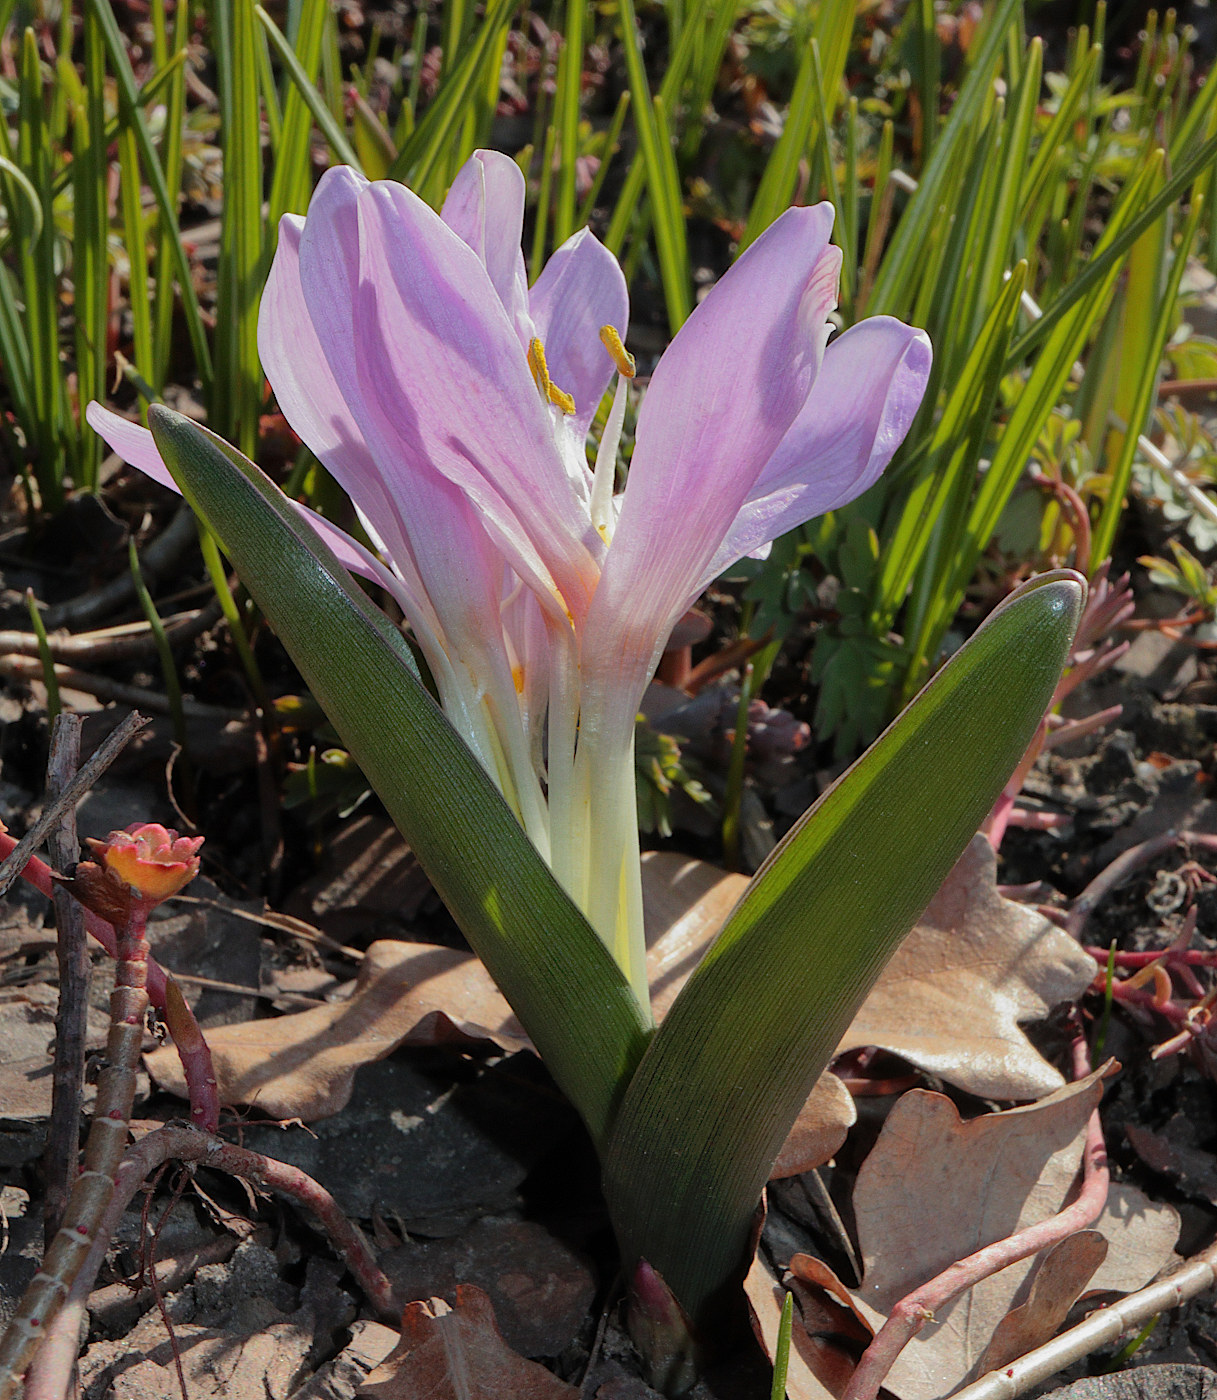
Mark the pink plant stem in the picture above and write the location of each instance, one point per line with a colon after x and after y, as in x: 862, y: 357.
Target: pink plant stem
x: 1148, y: 1001
x: 1036, y: 821
x: 195, y: 1056
x: 1079, y: 517
x: 51, y: 1372
x: 1077, y: 728
x: 912, y: 1313
x: 187, y: 1036
x: 107, y: 1140
x: 1184, y: 957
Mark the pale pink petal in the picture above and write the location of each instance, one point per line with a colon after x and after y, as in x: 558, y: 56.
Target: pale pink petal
x: 865, y: 398
x: 580, y: 289
x: 135, y: 445
x: 131, y: 442
x: 719, y: 403
x: 307, y: 392
x: 446, y: 545
x: 443, y: 367
x: 485, y: 209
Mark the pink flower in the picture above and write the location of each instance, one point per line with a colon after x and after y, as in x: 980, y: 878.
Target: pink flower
x: 148, y: 863
x: 452, y: 402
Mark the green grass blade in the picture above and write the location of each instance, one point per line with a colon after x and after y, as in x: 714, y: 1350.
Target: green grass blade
x: 612, y: 141
x: 662, y: 178
x: 1016, y: 154
x: 733, y: 1062
x: 944, y: 485
x: 291, y: 182
x: 305, y: 85
x: 1164, y: 323
x: 566, y: 116
x: 15, y: 352
x: 781, y: 172
x: 40, y: 284
x: 781, y: 1355
x: 1098, y: 269
x: 131, y: 114
x: 552, y: 967
x: 898, y: 270
x: 135, y: 238
x: 90, y: 257
x: 1044, y: 163
x: 172, y: 158
x: 629, y: 203
x: 237, y: 399
x: 434, y: 148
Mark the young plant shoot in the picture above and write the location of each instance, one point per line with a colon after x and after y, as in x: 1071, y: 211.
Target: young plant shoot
x: 453, y: 403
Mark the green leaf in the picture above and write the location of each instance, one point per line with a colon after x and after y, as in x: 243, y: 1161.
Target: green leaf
x: 731, y: 1065
x: 559, y: 977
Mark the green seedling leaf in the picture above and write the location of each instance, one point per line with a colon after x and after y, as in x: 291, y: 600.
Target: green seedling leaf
x: 727, y: 1071
x: 559, y: 977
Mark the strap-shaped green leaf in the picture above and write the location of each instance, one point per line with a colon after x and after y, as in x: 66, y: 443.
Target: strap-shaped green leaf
x: 561, y: 980
x: 733, y: 1062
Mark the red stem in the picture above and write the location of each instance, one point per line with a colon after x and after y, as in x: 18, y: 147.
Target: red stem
x: 53, y: 1367
x: 1184, y: 957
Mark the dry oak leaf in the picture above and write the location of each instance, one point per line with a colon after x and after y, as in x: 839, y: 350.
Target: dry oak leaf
x: 457, y: 1354
x: 951, y: 998
x: 935, y: 1189
x: 950, y: 1001
x: 1064, y: 1272
x: 303, y: 1065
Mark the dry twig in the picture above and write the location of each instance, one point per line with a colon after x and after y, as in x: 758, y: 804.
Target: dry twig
x: 71, y: 1018
x: 107, y: 751
x: 1101, y: 1328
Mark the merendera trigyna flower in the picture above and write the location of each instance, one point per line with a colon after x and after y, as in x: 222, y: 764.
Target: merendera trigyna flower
x: 452, y: 403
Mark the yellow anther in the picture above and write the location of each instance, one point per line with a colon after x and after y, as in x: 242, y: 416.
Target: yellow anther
x: 561, y: 398
x: 540, y: 373
x: 602, y: 530
x: 622, y: 358
x: 517, y: 675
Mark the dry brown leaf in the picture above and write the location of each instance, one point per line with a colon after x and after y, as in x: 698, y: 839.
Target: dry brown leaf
x: 808, y: 1276
x: 27, y: 1037
x: 1142, y: 1235
x: 457, y: 1354
x: 1064, y: 1272
x: 934, y: 1190
x: 950, y: 1000
x: 303, y: 1065
x: 818, y: 1370
x: 976, y: 965
x: 686, y: 902
x: 822, y: 1126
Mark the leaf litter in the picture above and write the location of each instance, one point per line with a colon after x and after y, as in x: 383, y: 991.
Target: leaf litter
x: 953, y: 1003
